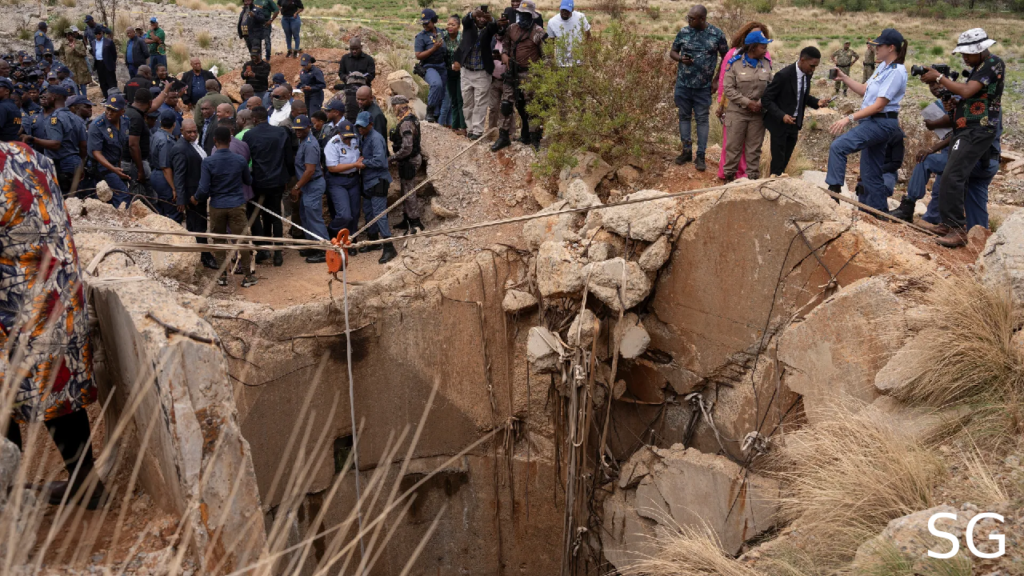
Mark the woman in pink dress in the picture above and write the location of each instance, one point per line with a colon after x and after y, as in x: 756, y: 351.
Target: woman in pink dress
x: 734, y: 45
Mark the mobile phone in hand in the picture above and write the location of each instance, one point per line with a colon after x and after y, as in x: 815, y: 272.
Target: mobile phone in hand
x: 833, y: 74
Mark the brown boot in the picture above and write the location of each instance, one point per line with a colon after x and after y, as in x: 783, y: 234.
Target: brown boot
x: 955, y: 238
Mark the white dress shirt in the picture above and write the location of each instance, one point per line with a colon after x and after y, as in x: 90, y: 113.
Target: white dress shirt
x: 801, y: 82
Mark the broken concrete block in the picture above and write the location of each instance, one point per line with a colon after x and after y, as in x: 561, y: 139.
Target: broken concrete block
x: 543, y: 350
x: 637, y: 467
x: 103, y: 191
x: 580, y: 195
x: 687, y: 488
x: 517, y: 301
x: 836, y: 352
x: 1002, y: 262
x: 178, y: 265
x: 606, y: 279
x: 599, y: 251
x: 634, y: 342
x: 654, y: 256
x: 97, y: 209
x: 559, y: 271
x: 441, y: 211
x: 642, y: 221
x: 584, y: 325
x: 139, y: 210
x: 817, y: 177
x: 558, y: 228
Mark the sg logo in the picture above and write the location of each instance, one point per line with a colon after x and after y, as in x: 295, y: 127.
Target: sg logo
x: 969, y: 536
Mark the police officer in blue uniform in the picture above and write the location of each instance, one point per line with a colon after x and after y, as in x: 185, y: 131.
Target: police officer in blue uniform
x: 34, y: 126
x: 10, y: 114
x: 162, y: 177
x: 42, y: 41
x: 344, y: 186
x: 312, y: 83
x: 65, y: 139
x: 310, y: 185
x: 108, y: 146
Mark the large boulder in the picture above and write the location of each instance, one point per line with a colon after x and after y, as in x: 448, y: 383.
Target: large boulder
x: 1002, y: 261
x: 683, y: 487
x: 835, y: 353
x: 402, y: 84
x: 177, y: 265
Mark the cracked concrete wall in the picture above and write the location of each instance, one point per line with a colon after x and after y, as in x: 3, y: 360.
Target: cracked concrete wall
x: 197, y: 463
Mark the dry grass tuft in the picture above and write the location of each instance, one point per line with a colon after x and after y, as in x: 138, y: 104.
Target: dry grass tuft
x: 69, y: 3
x: 204, y: 39
x: 397, y: 59
x: 178, y: 53
x: 965, y: 355
x: 690, y: 551
x: 848, y: 477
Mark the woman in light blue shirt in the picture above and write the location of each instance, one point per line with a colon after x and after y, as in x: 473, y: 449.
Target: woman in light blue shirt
x: 876, y: 121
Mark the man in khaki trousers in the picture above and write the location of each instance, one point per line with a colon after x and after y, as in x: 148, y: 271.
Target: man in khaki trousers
x: 746, y: 78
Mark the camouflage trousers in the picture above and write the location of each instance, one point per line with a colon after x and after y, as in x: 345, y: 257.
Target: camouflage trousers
x: 413, y: 206
x: 509, y: 105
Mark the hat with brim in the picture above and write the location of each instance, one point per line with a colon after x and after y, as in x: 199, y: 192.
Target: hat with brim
x: 427, y: 15
x: 5, y: 83
x: 528, y: 7
x: 888, y: 37
x: 301, y: 122
x: 363, y: 119
x: 756, y: 37
x: 974, y: 41
x: 115, y: 103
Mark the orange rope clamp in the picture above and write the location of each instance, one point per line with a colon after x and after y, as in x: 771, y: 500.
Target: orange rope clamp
x: 337, y: 260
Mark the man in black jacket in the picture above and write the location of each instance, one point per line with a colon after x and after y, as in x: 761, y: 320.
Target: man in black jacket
x: 256, y: 72
x: 105, y: 54
x: 784, y: 101
x: 270, y: 155
x: 473, y: 59
x: 187, y: 165
x: 357, y: 61
x: 195, y: 82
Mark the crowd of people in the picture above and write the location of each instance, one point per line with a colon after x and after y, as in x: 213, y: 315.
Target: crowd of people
x: 753, y: 99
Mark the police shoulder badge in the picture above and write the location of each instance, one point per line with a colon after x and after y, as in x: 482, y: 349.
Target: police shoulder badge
x: 344, y: 150
x: 53, y: 120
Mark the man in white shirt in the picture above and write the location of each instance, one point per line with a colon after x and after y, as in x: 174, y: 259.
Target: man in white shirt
x: 281, y: 107
x: 570, y: 25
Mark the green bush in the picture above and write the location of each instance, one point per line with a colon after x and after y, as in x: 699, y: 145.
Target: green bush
x: 616, y: 103
x: 654, y: 12
x: 424, y: 3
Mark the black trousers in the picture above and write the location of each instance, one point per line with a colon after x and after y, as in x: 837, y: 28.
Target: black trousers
x: 108, y: 79
x: 270, y: 198
x: 968, y: 146
x: 783, y: 142
x: 71, y: 435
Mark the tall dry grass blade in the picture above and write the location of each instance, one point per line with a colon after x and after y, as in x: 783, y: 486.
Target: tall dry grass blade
x: 688, y: 551
x: 847, y: 477
x: 423, y: 541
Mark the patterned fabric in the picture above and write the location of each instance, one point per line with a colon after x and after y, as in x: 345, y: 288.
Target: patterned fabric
x: 844, y: 56
x: 44, y: 325
x: 704, y: 46
x: 451, y: 45
x: 985, y: 107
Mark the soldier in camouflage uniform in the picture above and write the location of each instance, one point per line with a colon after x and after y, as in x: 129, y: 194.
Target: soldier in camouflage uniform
x: 843, y: 59
x: 406, y: 153
x: 869, y: 62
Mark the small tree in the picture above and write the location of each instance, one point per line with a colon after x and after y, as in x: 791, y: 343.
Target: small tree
x: 616, y: 102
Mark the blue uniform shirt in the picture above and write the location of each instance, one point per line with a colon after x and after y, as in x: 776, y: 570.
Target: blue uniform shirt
x: 67, y: 128
x: 375, y: 160
x: 314, y: 79
x: 224, y: 173
x: 36, y: 126
x: 10, y: 120
x: 160, y: 150
x: 888, y: 81
x: 308, y: 153
x: 425, y: 41
x: 42, y: 42
x: 176, y: 133
x: 110, y: 140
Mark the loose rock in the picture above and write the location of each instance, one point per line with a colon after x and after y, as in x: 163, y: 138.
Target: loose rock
x: 559, y: 272
x: 543, y: 350
x: 654, y: 256
x: 518, y: 301
x: 642, y: 221
x: 606, y: 279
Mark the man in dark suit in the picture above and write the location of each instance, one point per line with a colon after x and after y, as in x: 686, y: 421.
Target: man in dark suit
x: 106, y: 60
x: 187, y: 164
x: 195, y: 82
x: 784, y: 102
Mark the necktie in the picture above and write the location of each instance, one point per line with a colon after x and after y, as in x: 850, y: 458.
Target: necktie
x: 799, y: 94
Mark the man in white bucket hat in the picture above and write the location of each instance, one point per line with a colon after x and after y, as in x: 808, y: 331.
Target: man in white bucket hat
x: 977, y: 124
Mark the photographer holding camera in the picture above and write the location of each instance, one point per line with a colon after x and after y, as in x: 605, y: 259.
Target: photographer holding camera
x: 976, y: 121
x: 877, y: 121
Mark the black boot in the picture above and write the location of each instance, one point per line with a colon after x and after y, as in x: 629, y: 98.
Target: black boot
x: 525, y: 136
x: 415, y: 223
x: 905, y: 211
x: 278, y: 257
x: 838, y: 189
x: 209, y: 261
x: 686, y: 156
x: 699, y: 162
x: 389, y: 253
x: 502, y: 141
x: 262, y: 256
x: 371, y: 236
x: 318, y: 257
x: 403, y: 225
x: 535, y: 139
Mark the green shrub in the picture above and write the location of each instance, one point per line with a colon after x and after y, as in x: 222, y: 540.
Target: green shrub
x: 937, y: 51
x: 616, y: 103
x: 654, y: 12
x: 424, y: 3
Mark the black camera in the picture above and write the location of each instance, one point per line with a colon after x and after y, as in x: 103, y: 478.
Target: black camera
x: 943, y: 69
